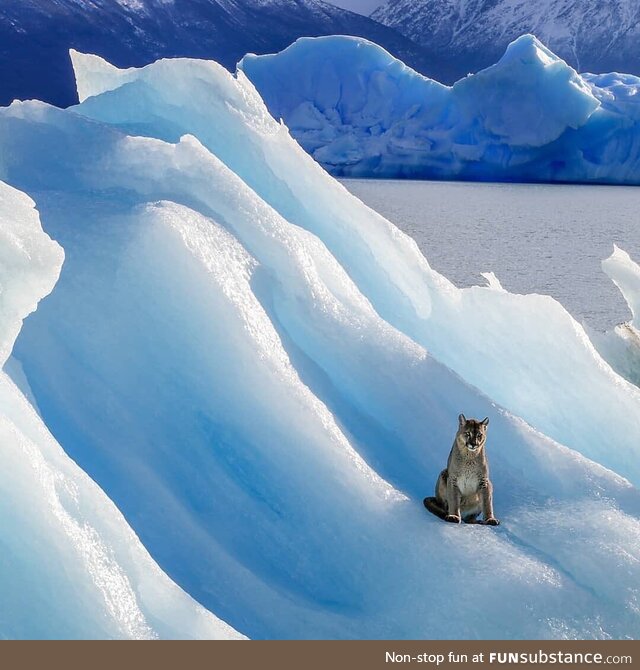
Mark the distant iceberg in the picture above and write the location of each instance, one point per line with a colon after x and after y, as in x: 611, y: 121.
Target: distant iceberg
x: 264, y: 375
x: 530, y: 117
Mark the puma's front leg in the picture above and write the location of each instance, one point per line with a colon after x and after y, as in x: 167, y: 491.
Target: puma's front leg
x: 453, y: 501
x: 486, y: 491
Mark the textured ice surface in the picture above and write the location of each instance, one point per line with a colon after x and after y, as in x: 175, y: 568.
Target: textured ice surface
x: 244, y: 357
x: 71, y: 566
x: 529, y: 117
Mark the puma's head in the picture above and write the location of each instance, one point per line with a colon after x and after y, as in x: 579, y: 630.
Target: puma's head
x: 472, y: 434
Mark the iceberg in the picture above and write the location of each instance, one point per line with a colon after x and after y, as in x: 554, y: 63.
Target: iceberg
x: 264, y: 376
x: 625, y: 274
x: 72, y: 567
x: 621, y: 346
x: 530, y: 117
x: 524, y: 352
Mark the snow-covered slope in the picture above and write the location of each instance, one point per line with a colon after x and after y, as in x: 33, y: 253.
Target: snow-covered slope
x: 71, y: 566
x: 264, y: 375
x: 35, y: 35
x: 529, y: 117
x: 468, y: 35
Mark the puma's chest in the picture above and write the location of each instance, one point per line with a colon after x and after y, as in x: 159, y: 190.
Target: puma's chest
x: 468, y: 482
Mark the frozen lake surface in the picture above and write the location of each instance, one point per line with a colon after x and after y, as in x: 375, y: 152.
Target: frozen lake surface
x: 536, y: 238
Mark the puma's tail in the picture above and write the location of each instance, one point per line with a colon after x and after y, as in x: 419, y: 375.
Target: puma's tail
x: 434, y: 507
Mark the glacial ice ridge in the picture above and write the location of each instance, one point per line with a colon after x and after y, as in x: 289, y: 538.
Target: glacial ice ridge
x: 263, y: 375
x: 71, y: 565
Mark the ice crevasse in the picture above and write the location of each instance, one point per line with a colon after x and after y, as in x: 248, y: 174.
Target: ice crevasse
x: 530, y: 117
x: 264, y: 375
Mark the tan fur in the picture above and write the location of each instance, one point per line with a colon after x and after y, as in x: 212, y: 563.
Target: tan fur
x: 463, y: 489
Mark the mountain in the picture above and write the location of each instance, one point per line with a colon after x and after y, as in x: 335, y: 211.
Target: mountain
x: 36, y: 35
x: 468, y: 35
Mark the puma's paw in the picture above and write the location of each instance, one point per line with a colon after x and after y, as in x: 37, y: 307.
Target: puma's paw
x: 492, y: 522
x: 452, y: 518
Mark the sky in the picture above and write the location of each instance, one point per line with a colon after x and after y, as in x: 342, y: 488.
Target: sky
x: 360, y: 6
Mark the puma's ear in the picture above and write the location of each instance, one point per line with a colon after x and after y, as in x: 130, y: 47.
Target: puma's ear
x: 485, y: 421
x: 462, y: 420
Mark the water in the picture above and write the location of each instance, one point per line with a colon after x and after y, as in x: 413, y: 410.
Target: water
x: 536, y: 238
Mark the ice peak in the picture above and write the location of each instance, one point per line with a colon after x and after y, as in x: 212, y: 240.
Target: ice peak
x: 493, y: 282
x: 619, y: 254
x: 529, y: 50
x: 543, y: 95
x: 331, y: 46
x: 625, y: 274
x: 94, y: 75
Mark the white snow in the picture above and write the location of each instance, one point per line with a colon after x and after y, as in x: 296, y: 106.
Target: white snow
x: 264, y: 376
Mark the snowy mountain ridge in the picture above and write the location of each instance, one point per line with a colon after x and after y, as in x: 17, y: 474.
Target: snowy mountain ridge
x: 36, y: 35
x: 591, y: 35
